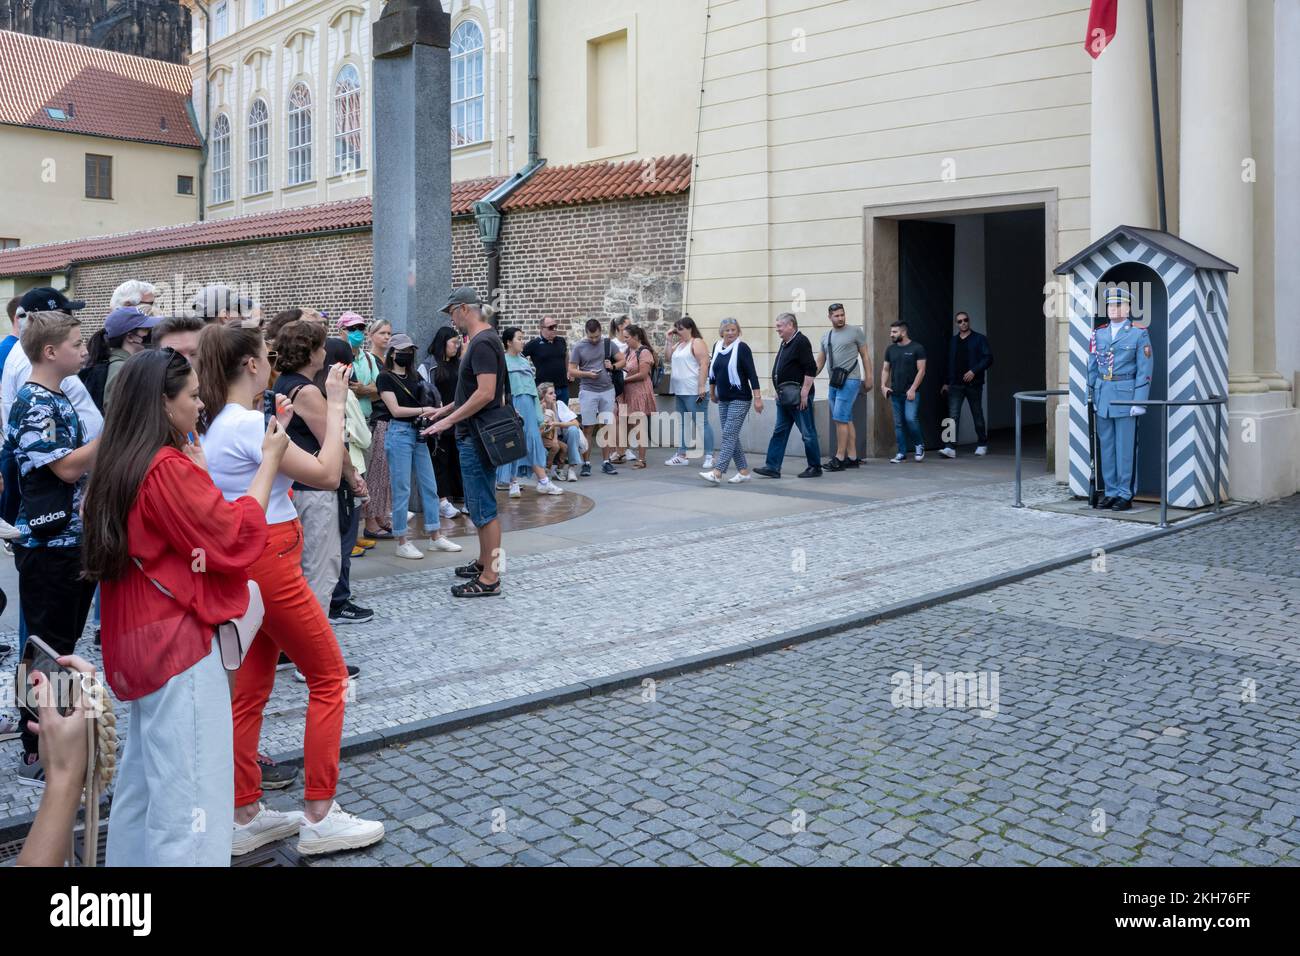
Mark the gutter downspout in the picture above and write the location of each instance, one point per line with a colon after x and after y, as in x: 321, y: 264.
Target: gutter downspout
x: 534, y: 119
x: 487, y: 211
x: 206, y: 133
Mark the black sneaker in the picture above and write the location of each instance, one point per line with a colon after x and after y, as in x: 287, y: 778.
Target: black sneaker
x: 608, y: 468
x: 833, y: 465
x: 767, y: 472
x: 586, y: 469
x: 851, y: 462
x: 351, y: 614
x: 275, y: 776
x: 810, y: 473
x: 97, y: 644
x: 283, y: 662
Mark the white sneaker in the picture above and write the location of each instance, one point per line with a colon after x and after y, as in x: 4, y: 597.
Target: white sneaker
x: 982, y: 450
x: 448, y: 510
x: 708, y: 462
x: 267, y: 827
x: 515, y: 491
x: 710, y: 477
x: 442, y: 543
x: 8, y: 532
x: 737, y: 478
x: 677, y: 461
x: 948, y: 452
x: 408, y: 551
x: 900, y: 457
x: 920, y: 453
x: 549, y: 487
x: 337, y: 831
x: 573, y: 473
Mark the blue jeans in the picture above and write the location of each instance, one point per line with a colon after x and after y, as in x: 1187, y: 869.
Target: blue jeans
x: 400, y: 445
x: 480, y: 484
x: 906, y: 427
x: 688, y: 407
x: 787, y: 418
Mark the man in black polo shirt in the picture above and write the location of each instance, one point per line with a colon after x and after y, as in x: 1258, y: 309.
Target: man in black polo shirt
x: 794, y: 366
x: 549, y: 354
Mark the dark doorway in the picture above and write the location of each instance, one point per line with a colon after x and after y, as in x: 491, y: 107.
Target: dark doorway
x: 925, y: 275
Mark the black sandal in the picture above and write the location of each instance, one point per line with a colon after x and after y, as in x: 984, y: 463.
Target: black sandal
x: 470, y: 571
x: 476, y: 588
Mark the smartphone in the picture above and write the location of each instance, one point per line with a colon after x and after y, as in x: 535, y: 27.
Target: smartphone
x: 268, y: 406
x: 40, y: 657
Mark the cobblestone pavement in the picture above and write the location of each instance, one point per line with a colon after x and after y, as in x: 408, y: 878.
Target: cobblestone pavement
x: 1145, y: 712
x: 602, y: 608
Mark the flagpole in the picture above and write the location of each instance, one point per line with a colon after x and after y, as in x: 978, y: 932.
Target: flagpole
x: 1155, y: 117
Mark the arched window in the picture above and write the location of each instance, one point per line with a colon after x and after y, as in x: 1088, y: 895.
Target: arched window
x: 221, y: 159
x: 300, y: 141
x: 467, y: 84
x: 347, y: 121
x: 259, y: 148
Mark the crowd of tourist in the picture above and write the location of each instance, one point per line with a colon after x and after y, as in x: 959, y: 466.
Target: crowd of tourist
x: 191, y: 479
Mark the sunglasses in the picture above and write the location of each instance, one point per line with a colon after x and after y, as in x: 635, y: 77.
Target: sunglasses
x: 549, y: 328
x: 174, y: 358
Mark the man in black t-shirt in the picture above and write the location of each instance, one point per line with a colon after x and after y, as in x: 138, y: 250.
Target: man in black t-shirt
x: 549, y: 354
x: 900, y: 380
x: 479, y: 384
x: 794, y: 365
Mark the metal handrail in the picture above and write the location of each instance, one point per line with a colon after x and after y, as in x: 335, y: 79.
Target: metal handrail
x: 1038, y: 398
x: 1164, y: 405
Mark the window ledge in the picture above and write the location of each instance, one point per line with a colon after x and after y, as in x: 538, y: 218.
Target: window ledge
x: 355, y: 174
x: 468, y: 147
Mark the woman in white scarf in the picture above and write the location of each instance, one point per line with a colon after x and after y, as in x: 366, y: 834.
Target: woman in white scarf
x: 733, y: 385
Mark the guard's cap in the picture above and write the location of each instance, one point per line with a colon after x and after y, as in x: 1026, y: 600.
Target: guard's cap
x: 465, y: 295
x: 1117, y: 295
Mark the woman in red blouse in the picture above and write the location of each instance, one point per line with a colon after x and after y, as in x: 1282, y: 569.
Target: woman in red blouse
x: 152, y: 514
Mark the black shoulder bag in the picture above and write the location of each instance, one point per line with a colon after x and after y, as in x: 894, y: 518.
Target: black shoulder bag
x: 788, y: 394
x: 838, y: 375
x: 498, y: 427
x: 615, y: 375
x: 47, y: 499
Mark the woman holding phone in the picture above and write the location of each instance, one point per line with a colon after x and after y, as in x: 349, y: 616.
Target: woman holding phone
x: 151, y: 508
x: 233, y: 363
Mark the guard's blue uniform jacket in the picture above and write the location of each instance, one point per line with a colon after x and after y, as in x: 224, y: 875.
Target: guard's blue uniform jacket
x: 1119, y: 369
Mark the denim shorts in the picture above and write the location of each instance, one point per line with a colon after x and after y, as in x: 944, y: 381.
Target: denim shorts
x: 842, y: 400
x: 479, y: 481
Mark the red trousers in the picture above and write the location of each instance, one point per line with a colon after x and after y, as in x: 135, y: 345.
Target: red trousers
x: 295, y: 624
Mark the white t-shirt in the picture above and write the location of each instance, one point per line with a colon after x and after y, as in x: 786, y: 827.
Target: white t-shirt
x: 18, y: 368
x: 564, y: 414
x: 233, y: 448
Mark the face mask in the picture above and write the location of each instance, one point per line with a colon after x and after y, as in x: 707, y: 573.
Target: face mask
x: 403, y: 359
x: 356, y: 339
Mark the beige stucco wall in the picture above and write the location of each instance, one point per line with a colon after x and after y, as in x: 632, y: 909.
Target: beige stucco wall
x: 813, y: 112
x: 665, y: 43
x: 43, y: 189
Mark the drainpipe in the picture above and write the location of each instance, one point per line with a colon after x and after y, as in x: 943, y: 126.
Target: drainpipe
x: 487, y: 211
x: 533, y: 93
x: 206, y: 133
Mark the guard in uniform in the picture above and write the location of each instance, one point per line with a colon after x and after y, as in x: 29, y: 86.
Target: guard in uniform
x: 1119, y: 369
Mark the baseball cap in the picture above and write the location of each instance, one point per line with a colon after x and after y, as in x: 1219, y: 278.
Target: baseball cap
x: 349, y: 320
x: 46, y: 299
x: 127, y: 319
x: 213, y: 300
x: 465, y: 295
x: 401, y: 341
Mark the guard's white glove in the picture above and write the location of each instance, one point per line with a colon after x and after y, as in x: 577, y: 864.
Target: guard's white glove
x: 1136, y: 410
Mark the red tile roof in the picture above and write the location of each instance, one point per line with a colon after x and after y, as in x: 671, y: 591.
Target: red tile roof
x: 593, y: 182
x: 561, y: 185
x: 103, y: 93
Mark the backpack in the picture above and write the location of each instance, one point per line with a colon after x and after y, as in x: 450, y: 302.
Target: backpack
x: 95, y: 378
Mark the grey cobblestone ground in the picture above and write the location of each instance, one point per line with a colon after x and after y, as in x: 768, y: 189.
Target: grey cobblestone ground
x: 602, y: 608
x: 1162, y: 729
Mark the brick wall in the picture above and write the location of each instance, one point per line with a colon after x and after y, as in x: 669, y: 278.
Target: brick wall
x: 598, y: 260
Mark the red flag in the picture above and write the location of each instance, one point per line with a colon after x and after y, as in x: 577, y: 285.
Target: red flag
x: 1101, y: 26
